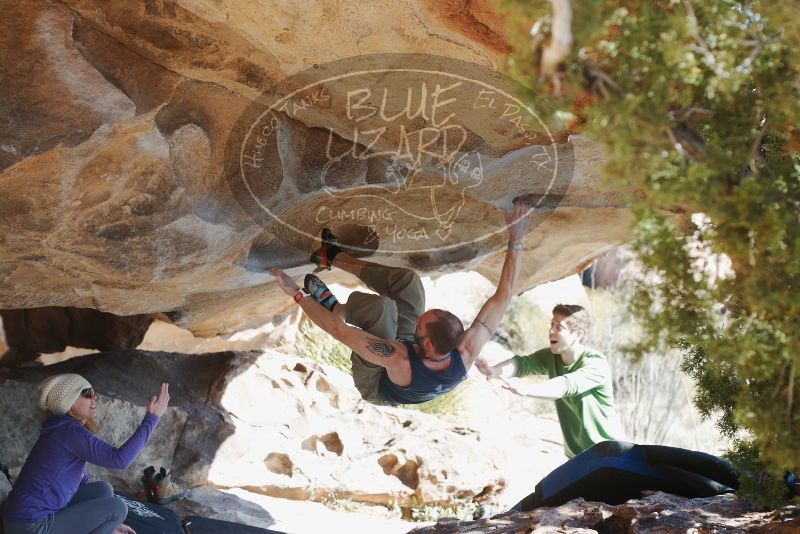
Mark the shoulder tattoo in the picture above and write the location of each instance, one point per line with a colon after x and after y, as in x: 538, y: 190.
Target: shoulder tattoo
x: 381, y: 347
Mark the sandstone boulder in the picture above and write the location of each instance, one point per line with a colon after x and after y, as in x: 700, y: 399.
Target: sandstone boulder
x: 317, y: 439
x: 52, y: 329
x: 118, y: 181
x: 214, y: 504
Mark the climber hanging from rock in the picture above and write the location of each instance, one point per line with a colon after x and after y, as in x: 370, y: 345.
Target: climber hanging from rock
x: 403, y: 354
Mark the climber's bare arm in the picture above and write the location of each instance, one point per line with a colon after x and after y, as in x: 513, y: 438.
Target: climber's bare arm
x: 384, y: 352
x: 491, y: 313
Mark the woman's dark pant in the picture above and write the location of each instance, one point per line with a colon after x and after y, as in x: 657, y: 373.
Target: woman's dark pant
x: 93, y: 510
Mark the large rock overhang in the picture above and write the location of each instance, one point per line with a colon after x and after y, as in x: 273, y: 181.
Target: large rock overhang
x: 116, y: 190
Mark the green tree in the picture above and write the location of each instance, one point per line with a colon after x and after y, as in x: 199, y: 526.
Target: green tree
x: 698, y: 106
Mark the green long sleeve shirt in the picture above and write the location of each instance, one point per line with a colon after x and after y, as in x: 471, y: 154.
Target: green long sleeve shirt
x: 586, y: 411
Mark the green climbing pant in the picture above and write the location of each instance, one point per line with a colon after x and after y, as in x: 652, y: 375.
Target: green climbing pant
x: 391, y: 314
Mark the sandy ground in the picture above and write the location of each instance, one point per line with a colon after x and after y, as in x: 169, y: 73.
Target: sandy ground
x: 302, y: 517
x: 532, y: 448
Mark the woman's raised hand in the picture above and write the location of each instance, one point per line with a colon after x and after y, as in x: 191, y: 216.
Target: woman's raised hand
x: 158, y: 405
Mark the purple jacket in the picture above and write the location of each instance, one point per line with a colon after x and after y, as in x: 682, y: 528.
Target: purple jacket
x: 56, y: 466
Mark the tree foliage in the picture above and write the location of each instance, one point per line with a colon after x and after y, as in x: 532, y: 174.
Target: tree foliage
x: 698, y: 106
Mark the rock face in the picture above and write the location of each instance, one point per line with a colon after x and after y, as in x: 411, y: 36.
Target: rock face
x: 5, y: 487
x: 657, y: 512
x: 51, y: 329
x: 272, y: 424
x: 118, y: 186
x: 215, y: 504
x: 125, y: 381
x: 318, y: 439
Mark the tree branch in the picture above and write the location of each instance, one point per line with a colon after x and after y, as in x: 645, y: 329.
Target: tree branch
x: 756, y: 158
x: 598, y: 81
x: 790, y: 393
x: 690, y: 142
x: 750, y: 58
x: 561, y: 38
x: 700, y: 44
x: 686, y: 114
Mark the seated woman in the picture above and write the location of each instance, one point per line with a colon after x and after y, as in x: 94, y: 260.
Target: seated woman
x: 53, y: 493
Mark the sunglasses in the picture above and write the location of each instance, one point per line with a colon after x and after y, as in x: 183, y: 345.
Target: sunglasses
x: 88, y: 393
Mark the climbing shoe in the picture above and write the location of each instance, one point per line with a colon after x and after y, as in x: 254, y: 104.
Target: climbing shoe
x: 324, y: 255
x: 320, y: 292
x: 159, y: 487
x: 148, y: 482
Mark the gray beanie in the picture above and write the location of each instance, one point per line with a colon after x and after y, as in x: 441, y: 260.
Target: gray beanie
x: 59, y: 392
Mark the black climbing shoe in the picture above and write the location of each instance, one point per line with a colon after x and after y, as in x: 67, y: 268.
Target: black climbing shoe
x: 320, y: 292
x: 149, y: 483
x: 324, y: 255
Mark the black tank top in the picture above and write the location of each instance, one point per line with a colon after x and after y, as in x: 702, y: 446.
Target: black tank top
x: 425, y: 383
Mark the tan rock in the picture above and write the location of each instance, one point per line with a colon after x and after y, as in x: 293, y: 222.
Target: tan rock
x: 302, y: 431
x: 118, y: 185
x: 655, y: 512
x: 51, y: 329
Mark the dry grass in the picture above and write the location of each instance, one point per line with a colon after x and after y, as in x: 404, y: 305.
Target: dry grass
x: 313, y: 343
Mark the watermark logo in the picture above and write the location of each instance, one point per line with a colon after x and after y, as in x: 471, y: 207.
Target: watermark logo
x: 408, y: 148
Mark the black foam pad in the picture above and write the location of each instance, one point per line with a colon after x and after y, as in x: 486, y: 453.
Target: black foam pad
x: 616, y: 471
x: 149, y: 518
